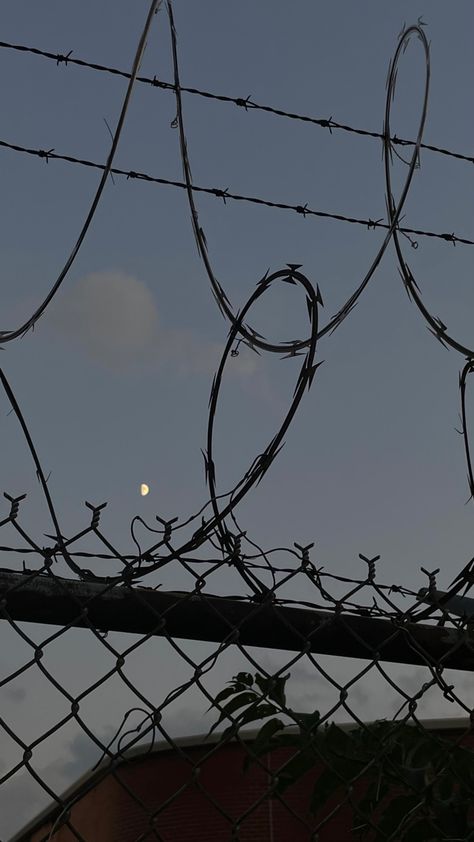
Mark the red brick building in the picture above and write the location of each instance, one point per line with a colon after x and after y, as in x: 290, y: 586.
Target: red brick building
x: 195, y: 793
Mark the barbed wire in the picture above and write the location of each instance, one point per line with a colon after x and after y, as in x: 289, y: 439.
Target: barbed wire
x: 394, y: 209
x: 213, y: 529
x: 224, y: 194
x: 9, y: 335
x: 247, y: 104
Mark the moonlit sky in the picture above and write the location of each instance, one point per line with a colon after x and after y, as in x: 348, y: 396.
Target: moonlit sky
x: 114, y: 381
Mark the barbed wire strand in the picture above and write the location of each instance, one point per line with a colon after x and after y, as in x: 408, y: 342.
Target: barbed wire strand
x: 225, y: 194
x: 246, y: 104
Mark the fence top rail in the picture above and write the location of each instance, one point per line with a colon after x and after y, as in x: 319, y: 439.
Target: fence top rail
x: 205, y: 617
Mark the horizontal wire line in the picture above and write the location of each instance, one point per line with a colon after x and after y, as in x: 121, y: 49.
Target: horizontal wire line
x: 246, y: 103
x: 303, y: 210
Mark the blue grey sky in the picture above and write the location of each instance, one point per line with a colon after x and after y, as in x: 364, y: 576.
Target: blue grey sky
x: 114, y: 381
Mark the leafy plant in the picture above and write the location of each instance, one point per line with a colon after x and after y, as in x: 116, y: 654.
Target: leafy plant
x: 411, y: 784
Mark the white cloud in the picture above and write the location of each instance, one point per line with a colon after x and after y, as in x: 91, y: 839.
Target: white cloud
x: 114, y: 318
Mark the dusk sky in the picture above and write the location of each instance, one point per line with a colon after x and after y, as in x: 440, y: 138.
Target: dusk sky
x: 114, y: 381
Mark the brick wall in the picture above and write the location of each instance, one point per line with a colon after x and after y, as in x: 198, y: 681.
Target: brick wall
x: 197, y: 804
x: 189, y: 797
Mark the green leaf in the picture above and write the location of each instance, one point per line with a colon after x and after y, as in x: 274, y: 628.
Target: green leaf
x: 266, y: 734
x: 254, y: 712
x: 337, y: 740
x: 244, y: 678
x: 231, y: 707
x: 224, y: 694
x: 273, y: 687
x: 262, y: 682
x: 264, y: 741
x: 288, y: 740
x: 340, y: 752
x: 259, y: 712
x: 309, y: 721
x: 396, y: 755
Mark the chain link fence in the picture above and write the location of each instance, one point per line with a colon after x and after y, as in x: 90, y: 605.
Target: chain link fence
x: 118, y: 672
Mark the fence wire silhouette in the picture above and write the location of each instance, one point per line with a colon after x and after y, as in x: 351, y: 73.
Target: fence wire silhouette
x: 264, y: 769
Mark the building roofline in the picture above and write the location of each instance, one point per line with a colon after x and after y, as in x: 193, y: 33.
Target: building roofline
x: 84, y: 783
